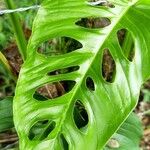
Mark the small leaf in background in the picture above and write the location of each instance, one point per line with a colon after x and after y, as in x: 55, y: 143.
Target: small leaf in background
x: 2, y: 39
x: 128, y: 136
x: 6, y: 115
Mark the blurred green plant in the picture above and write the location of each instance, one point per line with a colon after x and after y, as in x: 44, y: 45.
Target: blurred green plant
x: 6, y: 114
x: 108, y: 103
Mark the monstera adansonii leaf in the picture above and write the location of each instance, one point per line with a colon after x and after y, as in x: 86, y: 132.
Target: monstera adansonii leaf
x: 107, y: 104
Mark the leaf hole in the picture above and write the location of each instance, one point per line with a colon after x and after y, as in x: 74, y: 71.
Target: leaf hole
x: 64, y: 142
x: 101, y: 3
x: 80, y: 115
x: 64, y: 70
x: 126, y: 42
x: 41, y: 130
x: 58, y: 46
x: 93, y: 23
x: 90, y: 84
x: 108, y: 66
x: 53, y: 90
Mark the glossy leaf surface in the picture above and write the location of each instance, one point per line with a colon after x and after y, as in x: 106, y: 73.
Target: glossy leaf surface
x: 109, y: 104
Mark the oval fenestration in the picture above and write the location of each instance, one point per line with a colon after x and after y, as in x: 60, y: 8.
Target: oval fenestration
x: 108, y: 66
x: 64, y: 70
x: 90, y: 84
x: 41, y: 130
x: 53, y: 90
x: 101, y: 3
x: 94, y: 23
x: 80, y: 115
x: 58, y: 46
x: 64, y: 142
x: 127, y: 44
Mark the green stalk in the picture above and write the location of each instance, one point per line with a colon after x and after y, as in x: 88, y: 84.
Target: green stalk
x: 19, y: 35
x: 5, y: 64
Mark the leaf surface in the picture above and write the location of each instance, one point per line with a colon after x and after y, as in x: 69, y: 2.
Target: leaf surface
x: 109, y: 104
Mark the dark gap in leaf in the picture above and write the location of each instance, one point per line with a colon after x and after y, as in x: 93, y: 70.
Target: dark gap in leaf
x: 90, y: 84
x: 48, y: 130
x: 108, y: 66
x: 93, y: 23
x: 68, y: 85
x: 80, y: 115
x: 59, y: 46
x: 64, y: 70
x: 53, y: 90
x: 64, y: 142
x: 41, y: 130
x: 101, y: 3
x: 121, y: 35
x: 126, y: 42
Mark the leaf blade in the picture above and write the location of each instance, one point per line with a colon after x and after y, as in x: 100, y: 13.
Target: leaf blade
x: 108, y: 101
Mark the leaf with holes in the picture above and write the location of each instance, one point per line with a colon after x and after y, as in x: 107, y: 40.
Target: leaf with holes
x: 90, y: 111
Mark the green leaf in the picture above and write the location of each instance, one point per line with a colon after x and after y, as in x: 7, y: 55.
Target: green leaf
x: 6, y: 116
x: 107, y: 104
x: 2, y: 39
x: 128, y: 136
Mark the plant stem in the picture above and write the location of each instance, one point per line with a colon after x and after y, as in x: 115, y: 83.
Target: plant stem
x: 5, y: 64
x: 19, y: 35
